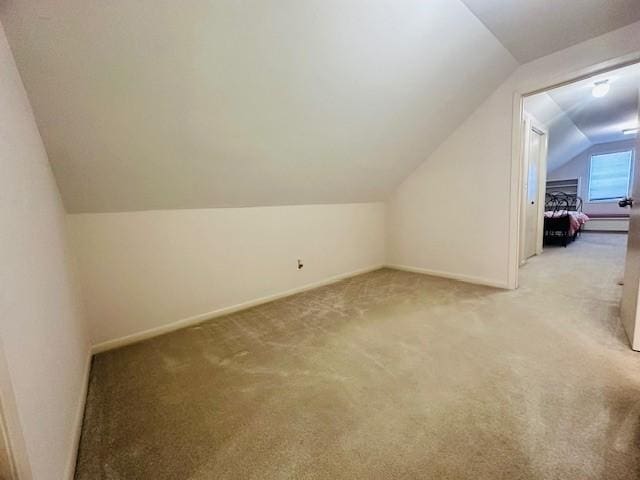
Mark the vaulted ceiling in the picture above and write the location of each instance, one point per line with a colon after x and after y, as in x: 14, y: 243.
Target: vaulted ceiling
x: 566, y: 140
x: 534, y: 28
x: 158, y: 104
x: 576, y: 119
x: 602, y: 119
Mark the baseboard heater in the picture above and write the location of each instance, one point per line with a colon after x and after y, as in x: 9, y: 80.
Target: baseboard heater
x: 607, y: 223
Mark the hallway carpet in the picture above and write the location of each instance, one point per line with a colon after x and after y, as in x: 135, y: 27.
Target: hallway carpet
x: 388, y: 375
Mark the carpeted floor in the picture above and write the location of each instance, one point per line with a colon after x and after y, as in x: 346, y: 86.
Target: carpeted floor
x: 389, y: 375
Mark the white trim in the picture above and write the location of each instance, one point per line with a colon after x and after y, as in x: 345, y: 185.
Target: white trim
x: 194, y: 320
x: 607, y: 224
x: 70, y: 470
x: 517, y: 146
x: 453, y: 276
x: 515, y: 190
x: 11, y: 419
x: 542, y: 191
x: 526, y: 140
x: 531, y: 124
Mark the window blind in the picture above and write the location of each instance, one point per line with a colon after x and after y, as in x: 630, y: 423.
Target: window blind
x: 609, y: 175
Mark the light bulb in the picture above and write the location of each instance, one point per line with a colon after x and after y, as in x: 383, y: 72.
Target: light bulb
x: 600, y: 89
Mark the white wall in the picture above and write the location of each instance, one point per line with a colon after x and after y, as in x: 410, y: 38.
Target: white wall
x: 146, y: 270
x: 578, y: 167
x: 44, y: 345
x: 565, y: 139
x: 455, y: 214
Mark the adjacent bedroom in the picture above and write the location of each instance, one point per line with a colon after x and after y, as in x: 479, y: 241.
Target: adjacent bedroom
x: 580, y: 151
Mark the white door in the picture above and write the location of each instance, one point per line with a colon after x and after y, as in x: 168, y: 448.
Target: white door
x: 533, y: 186
x: 631, y: 289
x: 532, y: 194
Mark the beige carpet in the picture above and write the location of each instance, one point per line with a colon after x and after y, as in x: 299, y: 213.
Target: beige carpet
x: 389, y: 375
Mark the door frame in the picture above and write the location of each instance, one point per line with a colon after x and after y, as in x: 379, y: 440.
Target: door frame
x: 6, y: 450
x: 10, y: 426
x: 517, y: 144
x: 531, y: 124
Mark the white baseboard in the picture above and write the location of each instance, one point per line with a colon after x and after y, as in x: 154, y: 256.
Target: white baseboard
x: 452, y: 276
x: 194, y: 320
x: 607, y: 225
x: 70, y: 470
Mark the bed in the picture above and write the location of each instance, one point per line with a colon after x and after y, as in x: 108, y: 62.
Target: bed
x: 563, y: 218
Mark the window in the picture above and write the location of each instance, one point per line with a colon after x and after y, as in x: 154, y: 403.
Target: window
x: 610, y: 175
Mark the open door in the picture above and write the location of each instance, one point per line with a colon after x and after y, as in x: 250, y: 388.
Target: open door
x: 533, y: 188
x: 631, y: 289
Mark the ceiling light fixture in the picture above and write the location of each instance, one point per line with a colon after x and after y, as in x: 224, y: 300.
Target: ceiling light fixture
x: 600, y: 89
x: 630, y: 131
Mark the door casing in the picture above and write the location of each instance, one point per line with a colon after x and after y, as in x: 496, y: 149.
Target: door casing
x: 530, y: 127
x: 630, y: 322
x: 517, y: 145
x: 12, y: 439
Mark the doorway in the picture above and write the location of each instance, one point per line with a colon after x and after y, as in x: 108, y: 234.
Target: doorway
x: 534, y: 165
x: 577, y: 161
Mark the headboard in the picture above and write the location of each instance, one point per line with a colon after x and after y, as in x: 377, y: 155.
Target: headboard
x: 561, y: 201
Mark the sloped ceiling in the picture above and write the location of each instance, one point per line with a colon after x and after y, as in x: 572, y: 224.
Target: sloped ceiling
x: 158, y: 104
x: 531, y: 29
x: 566, y: 140
x: 576, y: 120
x: 602, y: 119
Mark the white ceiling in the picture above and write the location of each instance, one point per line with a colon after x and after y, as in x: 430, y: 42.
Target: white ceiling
x: 534, y: 28
x: 566, y: 140
x: 602, y: 119
x: 576, y: 120
x: 158, y: 104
